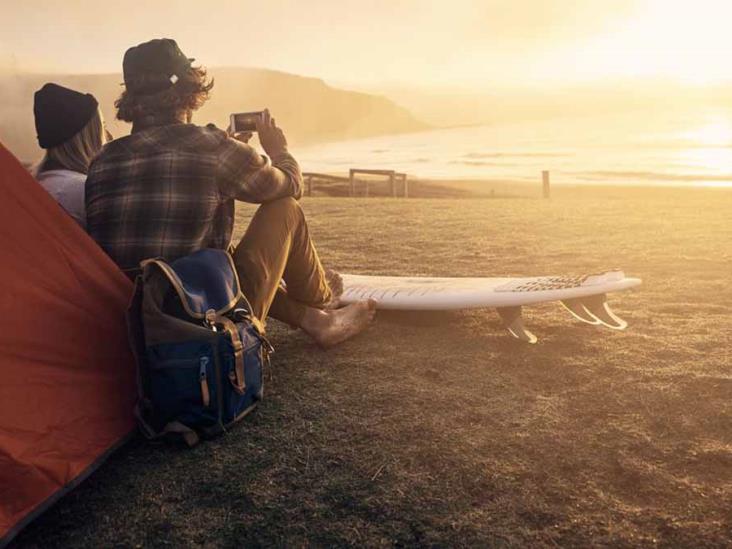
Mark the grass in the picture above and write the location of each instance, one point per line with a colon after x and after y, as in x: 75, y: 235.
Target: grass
x: 440, y: 430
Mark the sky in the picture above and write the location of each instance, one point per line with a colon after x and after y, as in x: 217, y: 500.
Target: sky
x: 450, y: 44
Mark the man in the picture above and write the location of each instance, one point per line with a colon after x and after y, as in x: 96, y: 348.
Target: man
x: 168, y: 189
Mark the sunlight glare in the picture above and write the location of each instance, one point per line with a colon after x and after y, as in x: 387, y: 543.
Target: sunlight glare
x: 716, y: 133
x: 687, y: 41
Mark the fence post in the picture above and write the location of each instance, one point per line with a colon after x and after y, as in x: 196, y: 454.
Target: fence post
x: 352, y: 178
x: 545, y: 183
x: 406, y: 187
x: 392, y: 180
x: 309, y: 185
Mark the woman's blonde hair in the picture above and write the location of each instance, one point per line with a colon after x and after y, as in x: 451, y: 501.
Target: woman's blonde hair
x: 76, y: 154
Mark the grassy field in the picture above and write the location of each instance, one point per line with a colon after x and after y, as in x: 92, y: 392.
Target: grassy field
x: 441, y: 430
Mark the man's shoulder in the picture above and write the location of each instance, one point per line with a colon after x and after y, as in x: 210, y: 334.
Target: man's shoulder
x: 194, y: 131
x: 174, y: 136
x: 203, y: 139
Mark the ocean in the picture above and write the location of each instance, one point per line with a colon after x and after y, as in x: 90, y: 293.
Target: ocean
x: 666, y: 148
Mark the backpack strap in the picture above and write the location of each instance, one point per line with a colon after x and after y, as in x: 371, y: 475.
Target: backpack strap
x: 189, y: 436
x: 236, y: 376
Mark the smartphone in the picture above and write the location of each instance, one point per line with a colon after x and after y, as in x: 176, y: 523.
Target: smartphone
x: 245, y: 121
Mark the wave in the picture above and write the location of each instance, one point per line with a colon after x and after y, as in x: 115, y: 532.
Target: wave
x: 482, y: 163
x: 683, y: 144
x: 514, y: 155
x: 655, y: 176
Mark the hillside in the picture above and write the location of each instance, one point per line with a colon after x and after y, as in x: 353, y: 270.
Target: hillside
x: 307, y: 108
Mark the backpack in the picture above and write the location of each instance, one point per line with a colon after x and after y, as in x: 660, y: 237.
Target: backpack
x: 200, y: 351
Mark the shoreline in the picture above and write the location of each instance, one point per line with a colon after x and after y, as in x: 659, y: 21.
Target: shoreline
x: 493, y: 188
x: 501, y: 188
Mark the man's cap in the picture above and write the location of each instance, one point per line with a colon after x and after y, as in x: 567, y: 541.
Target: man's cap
x: 61, y: 113
x: 154, y: 66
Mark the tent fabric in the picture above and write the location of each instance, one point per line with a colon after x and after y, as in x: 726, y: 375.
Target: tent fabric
x: 67, y: 375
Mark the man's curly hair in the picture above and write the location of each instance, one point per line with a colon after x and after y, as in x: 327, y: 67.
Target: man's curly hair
x: 186, y: 95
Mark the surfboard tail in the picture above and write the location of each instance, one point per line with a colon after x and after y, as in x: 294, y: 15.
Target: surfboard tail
x: 578, y: 310
x: 595, y: 310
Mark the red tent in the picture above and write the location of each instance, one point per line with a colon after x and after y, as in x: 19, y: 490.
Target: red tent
x: 67, y: 386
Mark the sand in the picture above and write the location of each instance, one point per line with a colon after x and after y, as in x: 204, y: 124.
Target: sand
x: 441, y: 429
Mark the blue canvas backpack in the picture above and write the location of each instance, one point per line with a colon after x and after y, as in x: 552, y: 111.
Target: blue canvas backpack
x: 200, y: 350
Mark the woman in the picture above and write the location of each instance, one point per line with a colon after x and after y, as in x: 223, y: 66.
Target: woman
x: 71, y: 129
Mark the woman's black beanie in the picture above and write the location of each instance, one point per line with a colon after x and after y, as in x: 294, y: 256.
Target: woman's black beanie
x: 61, y: 113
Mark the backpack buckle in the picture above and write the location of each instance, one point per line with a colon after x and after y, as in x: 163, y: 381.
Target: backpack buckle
x: 241, y: 314
x: 210, y: 320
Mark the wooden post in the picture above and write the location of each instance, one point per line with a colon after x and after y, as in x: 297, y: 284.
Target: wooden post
x: 545, y: 183
x: 393, y: 176
x: 309, y: 185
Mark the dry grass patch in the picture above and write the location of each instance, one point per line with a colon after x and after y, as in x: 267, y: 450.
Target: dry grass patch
x: 441, y: 430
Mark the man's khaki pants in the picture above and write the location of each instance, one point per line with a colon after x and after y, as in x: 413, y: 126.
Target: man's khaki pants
x: 277, y: 247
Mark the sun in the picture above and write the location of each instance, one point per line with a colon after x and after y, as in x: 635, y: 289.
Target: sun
x: 717, y: 133
x: 709, y: 151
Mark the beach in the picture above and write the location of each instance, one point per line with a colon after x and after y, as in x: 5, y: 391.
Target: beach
x: 442, y: 430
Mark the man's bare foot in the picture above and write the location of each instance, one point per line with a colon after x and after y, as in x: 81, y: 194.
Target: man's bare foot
x: 331, y: 327
x: 335, y: 282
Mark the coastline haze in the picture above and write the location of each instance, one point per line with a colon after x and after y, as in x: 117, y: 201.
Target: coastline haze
x: 589, y: 71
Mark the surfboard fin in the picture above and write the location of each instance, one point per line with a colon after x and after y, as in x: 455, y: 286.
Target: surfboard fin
x: 579, y: 311
x: 598, y: 307
x: 513, y: 322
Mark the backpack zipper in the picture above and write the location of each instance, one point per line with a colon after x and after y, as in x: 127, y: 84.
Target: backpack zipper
x: 219, y: 384
x: 203, y: 379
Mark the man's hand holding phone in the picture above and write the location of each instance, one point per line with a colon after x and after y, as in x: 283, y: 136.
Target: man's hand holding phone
x: 244, y: 137
x: 271, y: 137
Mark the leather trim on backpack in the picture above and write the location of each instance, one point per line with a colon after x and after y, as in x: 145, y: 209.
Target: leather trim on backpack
x: 237, y: 379
x: 178, y: 286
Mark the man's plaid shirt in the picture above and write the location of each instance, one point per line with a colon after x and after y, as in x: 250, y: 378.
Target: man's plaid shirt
x: 168, y: 191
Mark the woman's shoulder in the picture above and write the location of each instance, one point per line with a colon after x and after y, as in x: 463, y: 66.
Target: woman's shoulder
x: 67, y: 188
x: 61, y: 176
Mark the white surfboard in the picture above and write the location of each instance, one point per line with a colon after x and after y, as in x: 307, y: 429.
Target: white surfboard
x: 584, y: 296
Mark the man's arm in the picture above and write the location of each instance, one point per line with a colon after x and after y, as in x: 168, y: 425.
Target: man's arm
x: 246, y: 175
